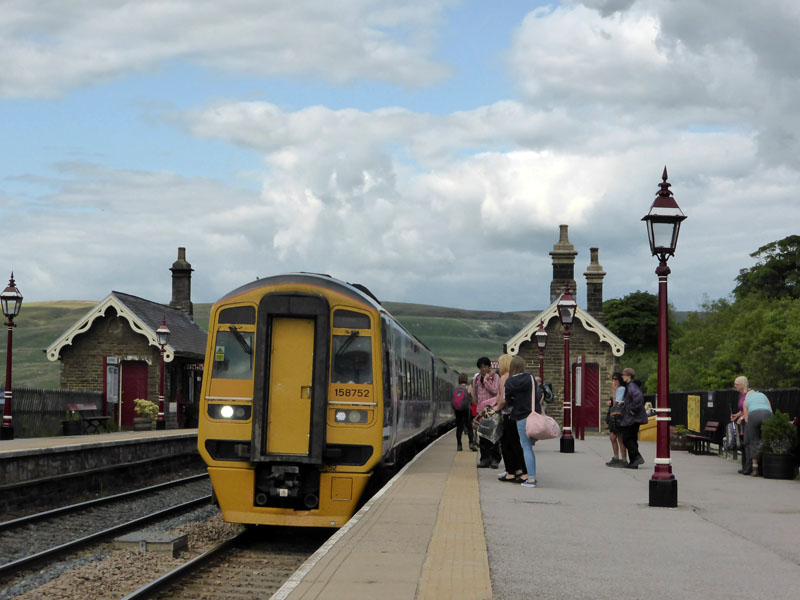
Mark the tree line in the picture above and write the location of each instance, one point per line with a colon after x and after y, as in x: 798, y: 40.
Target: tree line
x: 754, y: 332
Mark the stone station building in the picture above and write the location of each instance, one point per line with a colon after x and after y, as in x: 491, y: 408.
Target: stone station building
x: 113, y: 349
x: 594, y: 350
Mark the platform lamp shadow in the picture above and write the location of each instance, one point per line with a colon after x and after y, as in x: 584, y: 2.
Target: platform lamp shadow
x: 11, y: 300
x: 663, y: 225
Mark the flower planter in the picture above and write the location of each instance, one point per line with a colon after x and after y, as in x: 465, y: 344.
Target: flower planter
x: 680, y: 444
x: 778, y: 466
x: 71, y: 427
x: 142, y: 424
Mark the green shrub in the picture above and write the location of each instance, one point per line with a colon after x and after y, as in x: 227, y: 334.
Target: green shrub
x: 778, y: 435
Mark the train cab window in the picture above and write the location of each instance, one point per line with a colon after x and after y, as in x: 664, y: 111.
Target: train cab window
x: 347, y: 319
x: 233, y: 354
x: 352, y: 359
x: 242, y: 315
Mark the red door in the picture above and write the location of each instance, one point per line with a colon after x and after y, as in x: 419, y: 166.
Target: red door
x: 134, y: 385
x: 586, y: 395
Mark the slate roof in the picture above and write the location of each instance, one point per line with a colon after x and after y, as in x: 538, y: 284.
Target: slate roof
x: 187, y: 339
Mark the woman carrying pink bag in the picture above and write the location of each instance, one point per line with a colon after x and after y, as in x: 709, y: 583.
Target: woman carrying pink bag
x: 520, y: 397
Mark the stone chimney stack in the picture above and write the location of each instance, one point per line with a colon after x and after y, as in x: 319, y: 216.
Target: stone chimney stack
x: 594, y: 287
x: 563, y: 266
x: 182, y: 284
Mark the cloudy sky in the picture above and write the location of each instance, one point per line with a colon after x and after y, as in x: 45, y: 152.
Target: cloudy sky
x: 426, y: 148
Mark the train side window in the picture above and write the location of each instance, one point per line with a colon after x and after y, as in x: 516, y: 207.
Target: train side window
x: 352, y: 358
x: 233, y: 354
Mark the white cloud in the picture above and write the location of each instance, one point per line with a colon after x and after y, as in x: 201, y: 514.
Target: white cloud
x: 51, y: 46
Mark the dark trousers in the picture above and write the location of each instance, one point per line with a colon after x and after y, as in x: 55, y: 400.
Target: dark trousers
x: 490, y: 452
x: 463, y: 424
x: 630, y: 439
x: 510, y: 447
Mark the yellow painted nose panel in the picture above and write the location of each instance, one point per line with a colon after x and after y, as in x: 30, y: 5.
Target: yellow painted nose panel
x: 290, y: 374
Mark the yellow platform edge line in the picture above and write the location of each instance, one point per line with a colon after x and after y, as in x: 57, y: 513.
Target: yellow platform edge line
x: 457, y: 563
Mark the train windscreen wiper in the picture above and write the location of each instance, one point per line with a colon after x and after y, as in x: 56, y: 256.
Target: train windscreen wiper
x: 240, y: 338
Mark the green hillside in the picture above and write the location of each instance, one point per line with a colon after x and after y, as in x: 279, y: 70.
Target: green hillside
x: 456, y: 335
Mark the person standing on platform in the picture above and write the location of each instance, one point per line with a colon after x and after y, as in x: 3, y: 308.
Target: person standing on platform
x: 632, y: 418
x: 741, y: 385
x: 510, y: 448
x: 522, y: 397
x: 620, y: 454
x: 462, y: 401
x: 484, y: 391
x: 757, y: 408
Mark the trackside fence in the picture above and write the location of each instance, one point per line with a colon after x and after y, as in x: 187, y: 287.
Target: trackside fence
x: 39, y: 412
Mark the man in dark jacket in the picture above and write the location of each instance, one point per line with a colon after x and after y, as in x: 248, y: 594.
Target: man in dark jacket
x: 633, y: 417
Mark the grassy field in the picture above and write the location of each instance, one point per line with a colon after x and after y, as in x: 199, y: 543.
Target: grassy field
x: 456, y: 335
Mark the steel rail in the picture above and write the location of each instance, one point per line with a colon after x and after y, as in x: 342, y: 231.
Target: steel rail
x: 184, y: 569
x: 33, y: 558
x: 97, y: 502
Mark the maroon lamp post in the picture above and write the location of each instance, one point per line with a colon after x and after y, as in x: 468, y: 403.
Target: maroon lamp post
x: 541, y: 342
x: 566, y: 314
x: 11, y: 301
x: 162, y: 335
x: 663, y: 224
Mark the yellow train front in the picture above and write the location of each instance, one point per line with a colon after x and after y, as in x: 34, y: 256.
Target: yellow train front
x: 309, y: 384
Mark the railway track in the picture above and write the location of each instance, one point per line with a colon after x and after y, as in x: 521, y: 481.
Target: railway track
x: 30, y: 540
x: 253, y: 564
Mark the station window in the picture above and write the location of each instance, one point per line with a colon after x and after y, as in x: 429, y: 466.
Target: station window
x: 233, y: 354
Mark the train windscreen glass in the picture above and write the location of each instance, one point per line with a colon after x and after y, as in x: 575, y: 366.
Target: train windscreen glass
x: 233, y: 354
x: 352, y: 359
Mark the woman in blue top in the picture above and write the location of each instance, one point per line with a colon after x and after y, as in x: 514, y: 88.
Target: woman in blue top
x: 756, y: 409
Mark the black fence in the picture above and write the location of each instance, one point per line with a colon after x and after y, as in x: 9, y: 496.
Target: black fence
x: 38, y: 413
x: 719, y: 405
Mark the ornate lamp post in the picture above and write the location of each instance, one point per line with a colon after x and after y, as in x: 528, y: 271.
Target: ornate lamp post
x: 162, y: 335
x: 541, y: 342
x: 11, y: 301
x: 663, y: 224
x: 566, y: 314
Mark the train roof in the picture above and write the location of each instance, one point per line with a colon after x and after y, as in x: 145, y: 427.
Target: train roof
x: 354, y: 290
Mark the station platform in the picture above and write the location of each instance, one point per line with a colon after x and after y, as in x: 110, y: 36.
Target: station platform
x: 444, y: 529
x: 33, y: 468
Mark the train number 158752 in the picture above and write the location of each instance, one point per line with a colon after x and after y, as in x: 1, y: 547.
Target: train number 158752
x: 347, y: 392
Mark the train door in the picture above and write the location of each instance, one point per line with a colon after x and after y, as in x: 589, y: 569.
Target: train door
x: 134, y: 385
x: 290, y: 387
x: 290, y: 376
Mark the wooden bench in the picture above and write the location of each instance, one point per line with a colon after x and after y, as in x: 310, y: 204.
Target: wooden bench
x: 90, y: 423
x: 701, y: 442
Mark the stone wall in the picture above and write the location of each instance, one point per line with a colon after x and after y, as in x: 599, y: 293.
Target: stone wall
x: 82, y: 362
x: 581, y: 342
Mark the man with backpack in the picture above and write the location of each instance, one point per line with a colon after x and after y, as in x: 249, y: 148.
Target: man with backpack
x: 462, y: 401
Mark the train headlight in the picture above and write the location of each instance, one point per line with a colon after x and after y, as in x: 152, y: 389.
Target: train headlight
x: 229, y: 412
x: 352, y: 416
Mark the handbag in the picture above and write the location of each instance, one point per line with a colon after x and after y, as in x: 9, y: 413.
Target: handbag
x: 731, y: 437
x: 541, y: 427
x: 615, y: 414
x: 489, y: 427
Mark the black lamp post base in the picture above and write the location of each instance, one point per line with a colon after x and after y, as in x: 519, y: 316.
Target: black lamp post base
x: 7, y: 432
x: 664, y: 492
x: 567, y: 445
x: 161, y: 424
